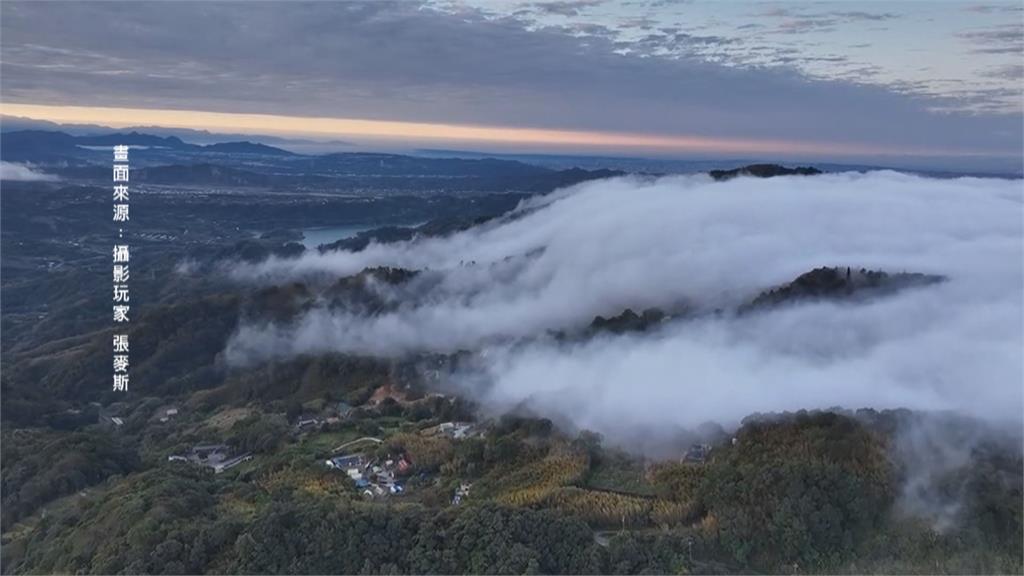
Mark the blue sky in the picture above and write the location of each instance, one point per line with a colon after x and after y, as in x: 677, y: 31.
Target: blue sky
x: 851, y: 80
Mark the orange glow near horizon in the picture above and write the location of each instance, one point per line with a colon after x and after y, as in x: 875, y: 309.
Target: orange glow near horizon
x: 398, y: 131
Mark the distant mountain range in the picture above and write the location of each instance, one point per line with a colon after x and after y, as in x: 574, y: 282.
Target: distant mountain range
x: 18, y: 124
x: 967, y: 166
x: 44, y: 145
x: 168, y: 160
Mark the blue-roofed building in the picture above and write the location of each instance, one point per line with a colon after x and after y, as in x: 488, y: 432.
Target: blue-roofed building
x: 352, y: 462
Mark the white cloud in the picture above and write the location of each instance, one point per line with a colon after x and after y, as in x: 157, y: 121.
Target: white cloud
x: 604, y: 246
x: 14, y: 171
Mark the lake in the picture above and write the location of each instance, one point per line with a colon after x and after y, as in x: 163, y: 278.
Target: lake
x: 313, y: 237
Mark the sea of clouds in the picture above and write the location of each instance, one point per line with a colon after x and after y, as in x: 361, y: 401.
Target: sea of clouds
x: 600, y: 247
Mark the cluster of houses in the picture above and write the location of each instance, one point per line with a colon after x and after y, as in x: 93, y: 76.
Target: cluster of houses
x: 215, y: 456
x: 454, y: 430
x: 374, y: 478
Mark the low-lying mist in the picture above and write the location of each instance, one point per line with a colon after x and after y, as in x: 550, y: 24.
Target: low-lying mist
x: 502, y: 289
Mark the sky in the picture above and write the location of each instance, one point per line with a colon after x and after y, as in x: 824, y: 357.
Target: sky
x: 838, y: 80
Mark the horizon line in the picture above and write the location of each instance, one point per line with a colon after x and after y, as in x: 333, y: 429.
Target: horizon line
x: 255, y: 124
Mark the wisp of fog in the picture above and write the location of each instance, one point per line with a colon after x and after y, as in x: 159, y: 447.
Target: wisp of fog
x: 558, y: 261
